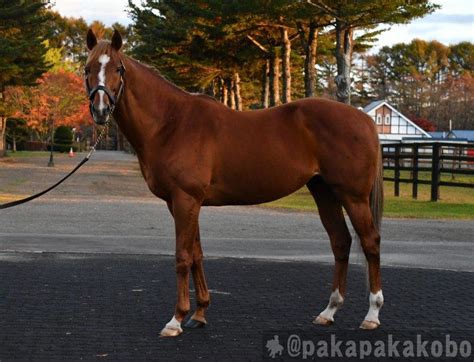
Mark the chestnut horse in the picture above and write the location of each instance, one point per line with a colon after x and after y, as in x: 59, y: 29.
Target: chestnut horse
x: 194, y: 151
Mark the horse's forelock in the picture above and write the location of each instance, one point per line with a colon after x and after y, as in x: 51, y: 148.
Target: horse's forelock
x: 102, y: 47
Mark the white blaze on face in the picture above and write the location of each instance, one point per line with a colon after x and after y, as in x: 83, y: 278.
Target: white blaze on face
x: 103, y: 60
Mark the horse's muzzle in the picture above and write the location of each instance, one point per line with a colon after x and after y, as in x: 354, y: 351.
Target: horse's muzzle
x: 100, y: 115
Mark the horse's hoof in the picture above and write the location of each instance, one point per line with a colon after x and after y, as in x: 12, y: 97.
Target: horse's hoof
x: 170, y: 332
x: 194, y: 323
x: 369, y: 325
x: 321, y: 321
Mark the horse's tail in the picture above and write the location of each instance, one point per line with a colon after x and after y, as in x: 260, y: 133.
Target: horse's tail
x: 376, y: 205
x: 376, y: 195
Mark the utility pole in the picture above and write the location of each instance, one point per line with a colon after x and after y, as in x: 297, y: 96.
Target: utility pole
x: 51, y: 148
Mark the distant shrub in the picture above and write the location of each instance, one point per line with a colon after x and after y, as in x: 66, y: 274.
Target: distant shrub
x: 63, y: 135
x: 63, y: 139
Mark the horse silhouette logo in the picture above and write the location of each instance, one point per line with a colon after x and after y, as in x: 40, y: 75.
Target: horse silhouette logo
x: 274, y: 347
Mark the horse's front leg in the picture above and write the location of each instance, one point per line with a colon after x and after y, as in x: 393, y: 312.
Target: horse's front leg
x: 198, y: 319
x: 185, y: 210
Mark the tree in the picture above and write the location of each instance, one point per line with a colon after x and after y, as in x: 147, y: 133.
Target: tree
x: 366, y: 15
x: 424, y: 123
x: 310, y: 21
x: 63, y: 138
x: 21, y: 52
x: 309, y: 41
x: 461, y: 58
x: 59, y: 96
x: 192, y: 43
x: 428, y: 80
x: 69, y: 36
x: 16, y: 131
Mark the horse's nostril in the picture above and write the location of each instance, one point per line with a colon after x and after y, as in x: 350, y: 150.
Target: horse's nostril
x: 106, y: 110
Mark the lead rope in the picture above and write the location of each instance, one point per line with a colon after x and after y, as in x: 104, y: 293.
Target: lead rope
x: 101, y: 135
x: 91, y: 152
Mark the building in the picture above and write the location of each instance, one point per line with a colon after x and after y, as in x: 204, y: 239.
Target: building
x: 392, y: 126
x: 461, y: 135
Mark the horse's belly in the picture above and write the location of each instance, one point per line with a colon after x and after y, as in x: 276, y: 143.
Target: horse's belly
x: 258, y: 187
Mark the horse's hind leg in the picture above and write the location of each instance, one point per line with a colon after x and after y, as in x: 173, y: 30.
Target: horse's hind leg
x: 361, y: 218
x: 198, y: 319
x: 332, y: 217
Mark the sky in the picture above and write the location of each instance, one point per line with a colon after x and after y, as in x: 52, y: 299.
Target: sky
x: 453, y: 23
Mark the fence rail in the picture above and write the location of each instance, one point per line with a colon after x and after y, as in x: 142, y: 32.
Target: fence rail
x: 437, y: 158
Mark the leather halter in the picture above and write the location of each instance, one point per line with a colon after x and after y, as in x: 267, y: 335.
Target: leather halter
x: 113, y: 99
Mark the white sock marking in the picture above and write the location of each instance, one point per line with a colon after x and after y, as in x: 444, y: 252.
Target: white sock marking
x: 174, y: 324
x: 375, y: 303
x: 103, y: 60
x: 335, y: 302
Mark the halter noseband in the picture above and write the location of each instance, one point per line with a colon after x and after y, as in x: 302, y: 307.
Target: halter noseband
x: 112, y: 99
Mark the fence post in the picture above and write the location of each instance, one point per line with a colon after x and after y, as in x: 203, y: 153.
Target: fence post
x: 414, y: 193
x: 396, y: 183
x: 435, y: 172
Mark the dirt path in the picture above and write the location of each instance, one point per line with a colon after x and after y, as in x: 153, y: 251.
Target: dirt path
x: 109, y: 174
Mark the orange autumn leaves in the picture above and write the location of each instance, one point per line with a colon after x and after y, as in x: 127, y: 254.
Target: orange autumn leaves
x: 59, y: 96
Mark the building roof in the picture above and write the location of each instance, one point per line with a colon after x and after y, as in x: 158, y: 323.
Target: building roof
x: 465, y: 134
x: 438, y: 134
x: 372, y: 105
x: 379, y: 103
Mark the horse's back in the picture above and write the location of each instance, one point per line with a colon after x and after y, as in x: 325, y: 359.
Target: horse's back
x: 263, y: 155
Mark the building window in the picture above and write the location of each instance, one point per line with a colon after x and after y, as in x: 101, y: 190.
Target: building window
x: 387, y: 119
x: 378, y: 119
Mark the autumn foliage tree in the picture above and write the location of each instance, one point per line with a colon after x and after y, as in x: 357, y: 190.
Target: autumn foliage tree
x: 21, y: 50
x: 424, y: 123
x: 59, y: 97
x: 428, y: 80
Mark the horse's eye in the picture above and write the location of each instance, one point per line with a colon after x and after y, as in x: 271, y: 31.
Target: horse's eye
x: 86, y: 71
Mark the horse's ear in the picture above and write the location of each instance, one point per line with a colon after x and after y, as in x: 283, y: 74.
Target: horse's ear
x: 91, y: 39
x: 116, y: 40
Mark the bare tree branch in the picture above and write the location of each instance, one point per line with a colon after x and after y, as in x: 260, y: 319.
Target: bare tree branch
x: 322, y: 6
x: 260, y: 46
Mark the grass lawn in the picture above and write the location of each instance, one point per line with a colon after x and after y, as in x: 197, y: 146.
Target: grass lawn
x: 454, y: 203
x: 21, y: 154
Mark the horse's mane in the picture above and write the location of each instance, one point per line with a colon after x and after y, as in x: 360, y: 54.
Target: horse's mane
x: 154, y: 73
x: 104, y: 47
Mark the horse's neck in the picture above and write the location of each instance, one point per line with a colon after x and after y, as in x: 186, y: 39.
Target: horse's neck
x: 146, y: 105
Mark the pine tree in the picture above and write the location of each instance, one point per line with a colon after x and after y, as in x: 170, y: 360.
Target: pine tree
x: 22, y: 49
x: 366, y: 14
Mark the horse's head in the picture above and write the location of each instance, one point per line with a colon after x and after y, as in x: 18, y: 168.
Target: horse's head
x: 103, y: 74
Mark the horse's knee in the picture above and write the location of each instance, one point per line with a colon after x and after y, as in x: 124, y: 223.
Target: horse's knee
x: 197, y: 258
x: 184, y: 262
x: 341, y: 247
